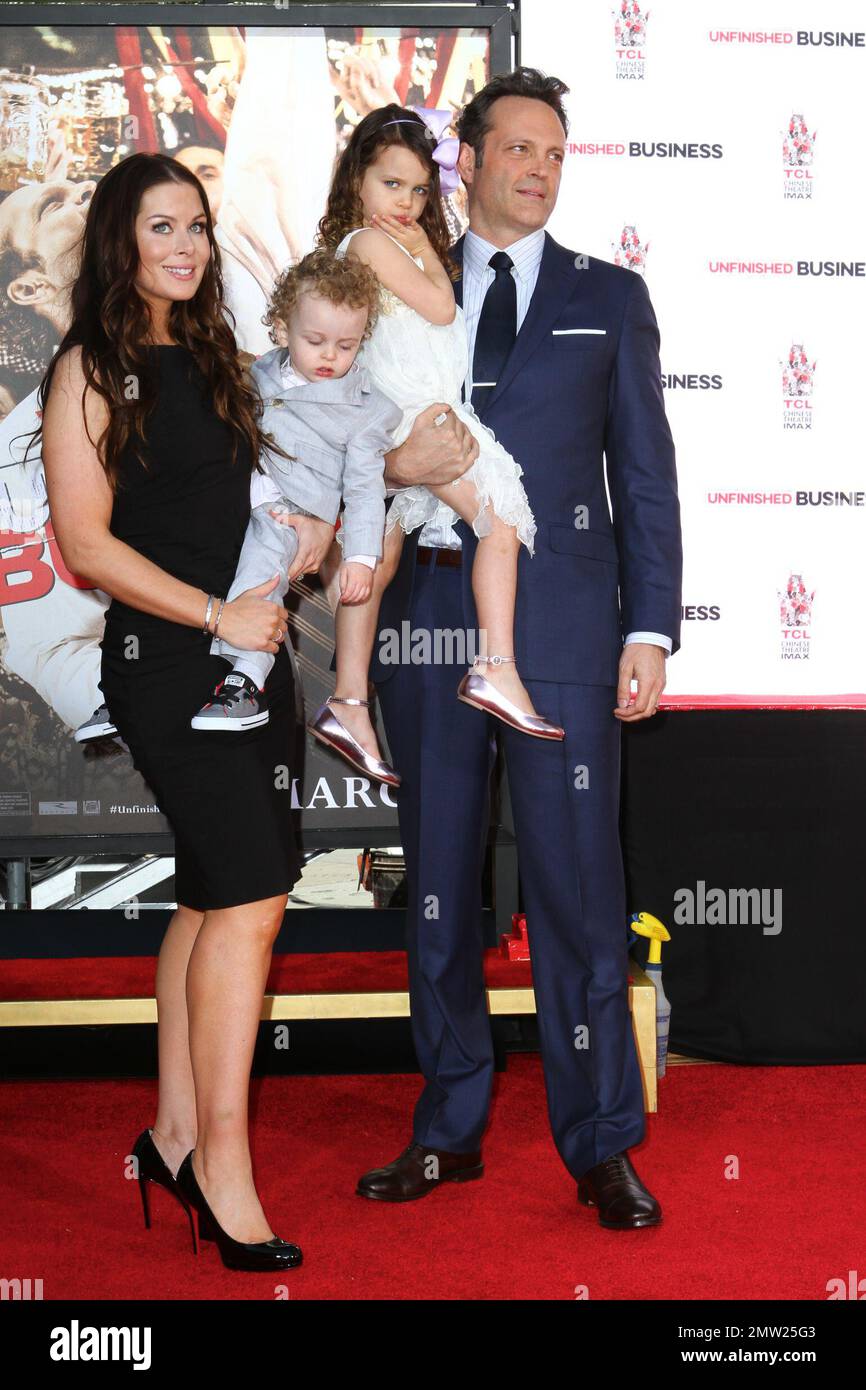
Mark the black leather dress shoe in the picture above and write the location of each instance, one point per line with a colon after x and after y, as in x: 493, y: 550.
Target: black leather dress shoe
x: 622, y: 1200
x: 416, y: 1172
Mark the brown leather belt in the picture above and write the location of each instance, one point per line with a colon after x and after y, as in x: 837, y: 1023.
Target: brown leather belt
x: 453, y: 558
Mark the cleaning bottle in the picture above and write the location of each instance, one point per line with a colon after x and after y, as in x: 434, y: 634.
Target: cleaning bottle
x: 646, y: 925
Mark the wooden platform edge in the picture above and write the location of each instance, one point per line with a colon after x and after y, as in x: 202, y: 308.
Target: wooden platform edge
x: 280, y: 1008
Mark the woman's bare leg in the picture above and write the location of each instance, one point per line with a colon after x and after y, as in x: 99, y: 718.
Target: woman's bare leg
x: 174, y: 1130
x: 225, y: 982
x: 356, y: 625
x: 494, y: 585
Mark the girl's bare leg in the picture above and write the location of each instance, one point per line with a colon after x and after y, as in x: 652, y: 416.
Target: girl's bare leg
x: 494, y: 586
x: 329, y: 574
x: 355, y: 626
x: 225, y: 982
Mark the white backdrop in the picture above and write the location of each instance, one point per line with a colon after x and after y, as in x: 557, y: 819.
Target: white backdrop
x: 698, y: 74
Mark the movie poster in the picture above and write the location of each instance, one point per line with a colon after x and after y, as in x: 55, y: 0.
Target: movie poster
x: 259, y: 114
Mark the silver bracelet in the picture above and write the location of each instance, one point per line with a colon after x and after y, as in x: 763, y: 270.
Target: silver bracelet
x: 210, y: 599
x: 216, y: 625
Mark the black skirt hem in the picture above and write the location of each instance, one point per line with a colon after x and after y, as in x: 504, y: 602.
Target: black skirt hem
x: 237, y: 902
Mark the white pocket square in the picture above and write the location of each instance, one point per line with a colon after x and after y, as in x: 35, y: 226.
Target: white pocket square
x: 558, y: 331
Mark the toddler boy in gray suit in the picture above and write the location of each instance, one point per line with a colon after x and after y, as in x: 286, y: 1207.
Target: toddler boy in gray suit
x: 322, y: 409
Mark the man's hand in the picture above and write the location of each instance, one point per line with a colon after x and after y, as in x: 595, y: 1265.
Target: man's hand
x: 432, y: 454
x: 314, y: 541
x: 645, y: 662
x: 356, y: 582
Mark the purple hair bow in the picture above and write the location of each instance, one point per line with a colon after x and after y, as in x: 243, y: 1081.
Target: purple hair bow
x: 447, y: 146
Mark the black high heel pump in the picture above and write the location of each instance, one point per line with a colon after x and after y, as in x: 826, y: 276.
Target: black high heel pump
x: 263, y: 1255
x: 152, y: 1167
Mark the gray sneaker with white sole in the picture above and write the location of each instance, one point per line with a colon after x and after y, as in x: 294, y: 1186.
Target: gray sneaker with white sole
x: 237, y: 704
x: 99, y: 725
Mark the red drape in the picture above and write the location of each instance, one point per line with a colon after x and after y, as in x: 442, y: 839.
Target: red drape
x: 129, y: 58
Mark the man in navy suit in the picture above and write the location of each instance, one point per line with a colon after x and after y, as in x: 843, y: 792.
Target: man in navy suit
x: 580, y: 384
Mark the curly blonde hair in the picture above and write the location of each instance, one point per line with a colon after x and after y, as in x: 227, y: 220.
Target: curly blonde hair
x: 338, y: 279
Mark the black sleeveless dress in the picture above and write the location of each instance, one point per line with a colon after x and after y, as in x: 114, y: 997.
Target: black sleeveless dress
x: 227, y: 796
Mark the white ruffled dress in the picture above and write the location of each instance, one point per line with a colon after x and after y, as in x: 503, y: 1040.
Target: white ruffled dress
x: 416, y: 363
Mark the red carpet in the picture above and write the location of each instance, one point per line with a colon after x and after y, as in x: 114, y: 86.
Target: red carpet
x: 132, y: 977
x: 793, y: 1220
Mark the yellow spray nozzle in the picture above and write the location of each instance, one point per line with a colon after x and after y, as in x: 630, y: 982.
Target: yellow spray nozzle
x: 644, y: 924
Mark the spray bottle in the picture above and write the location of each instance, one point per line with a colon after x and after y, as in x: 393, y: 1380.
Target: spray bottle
x: 646, y: 925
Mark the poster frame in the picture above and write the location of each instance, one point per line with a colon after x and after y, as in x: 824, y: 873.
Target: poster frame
x: 502, y: 23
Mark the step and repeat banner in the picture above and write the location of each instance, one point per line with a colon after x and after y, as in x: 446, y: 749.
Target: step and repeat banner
x: 715, y: 148
x: 259, y: 113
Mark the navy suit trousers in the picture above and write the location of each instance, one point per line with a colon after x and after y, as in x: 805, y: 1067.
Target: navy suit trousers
x: 565, y: 798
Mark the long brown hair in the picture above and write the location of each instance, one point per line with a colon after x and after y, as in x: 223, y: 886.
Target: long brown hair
x: 111, y: 322
x: 344, y: 211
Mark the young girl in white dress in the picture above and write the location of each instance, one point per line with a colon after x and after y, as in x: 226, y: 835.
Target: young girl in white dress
x: 384, y: 207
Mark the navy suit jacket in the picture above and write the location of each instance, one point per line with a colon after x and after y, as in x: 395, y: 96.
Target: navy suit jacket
x: 562, y: 403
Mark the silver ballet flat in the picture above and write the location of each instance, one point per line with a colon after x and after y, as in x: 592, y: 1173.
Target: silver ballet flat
x: 477, y: 691
x: 326, y: 727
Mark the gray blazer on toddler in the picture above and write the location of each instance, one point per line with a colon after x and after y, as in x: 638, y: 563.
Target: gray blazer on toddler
x: 337, y: 430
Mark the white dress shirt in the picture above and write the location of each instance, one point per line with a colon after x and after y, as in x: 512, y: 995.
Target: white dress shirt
x: 262, y: 486
x: 477, y: 277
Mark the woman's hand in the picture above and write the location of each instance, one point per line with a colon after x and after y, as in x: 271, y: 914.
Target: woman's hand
x: 314, y: 541
x: 252, y: 621
x: 356, y: 582
x: 409, y: 233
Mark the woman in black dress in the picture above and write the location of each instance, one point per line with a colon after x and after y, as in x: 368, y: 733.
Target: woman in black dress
x: 150, y: 433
